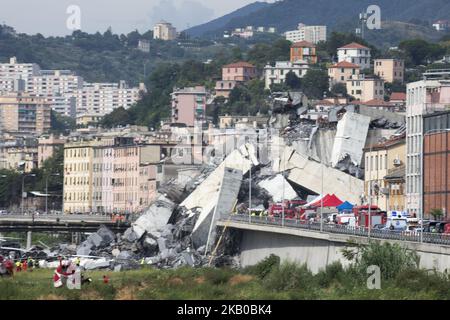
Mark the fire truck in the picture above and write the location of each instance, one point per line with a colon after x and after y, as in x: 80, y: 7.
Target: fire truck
x: 292, y: 209
x: 362, y: 216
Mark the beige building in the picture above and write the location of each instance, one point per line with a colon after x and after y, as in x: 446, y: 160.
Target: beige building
x: 380, y: 161
x: 342, y: 71
x: 165, y: 31
x: 20, y: 112
x: 18, y: 153
x: 88, y: 119
x: 243, y: 121
x: 109, y: 174
x: 365, y: 88
x: 47, y: 146
x: 390, y: 70
x: 313, y: 34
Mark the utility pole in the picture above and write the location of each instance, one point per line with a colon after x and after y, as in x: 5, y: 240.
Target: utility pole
x: 370, y: 190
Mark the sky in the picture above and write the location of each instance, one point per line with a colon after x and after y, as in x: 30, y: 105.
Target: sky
x: 50, y: 17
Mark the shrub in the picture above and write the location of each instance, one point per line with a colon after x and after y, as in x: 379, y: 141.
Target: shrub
x: 290, y: 276
x: 332, y: 272
x: 263, y: 268
x: 391, y: 258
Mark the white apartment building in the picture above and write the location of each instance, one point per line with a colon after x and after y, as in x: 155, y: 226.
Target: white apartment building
x: 313, y: 34
x: 14, y: 70
x: 423, y: 97
x: 277, y: 74
x: 165, y: 31
x: 365, y: 88
x: 355, y: 53
x: 10, y: 85
x: 102, y: 98
x: 60, y: 86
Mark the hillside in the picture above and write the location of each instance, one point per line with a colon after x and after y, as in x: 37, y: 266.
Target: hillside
x: 224, y: 20
x: 285, y: 15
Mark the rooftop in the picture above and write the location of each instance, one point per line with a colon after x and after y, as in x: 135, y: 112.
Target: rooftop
x: 303, y: 44
x: 240, y: 64
x: 345, y: 64
x: 354, y: 45
x: 398, y: 96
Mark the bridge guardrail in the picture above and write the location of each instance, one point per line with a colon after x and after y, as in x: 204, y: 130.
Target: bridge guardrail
x: 434, y: 238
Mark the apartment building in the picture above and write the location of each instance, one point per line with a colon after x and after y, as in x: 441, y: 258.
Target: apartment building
x: 436, y: 163
x: 102, y: 98
x: 304, y: 51
x: 355, y: 53
x: 60, y: 87
x: 14, y: 70
x: 427, y: 96
x: 238, y: 71
x: 189, y: 105
x: 165, y: 31
x: 380, y: 161
x: 20, y: 112
x: 277, y: 74
x: 11, y: 85
x: 365, y: 88
x: 342, y: 71
x: 109, y: 174
x: 390, y: 70
x: 313, y: 34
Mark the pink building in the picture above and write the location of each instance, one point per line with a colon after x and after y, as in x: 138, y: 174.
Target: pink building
x: 239, y: 71
x: 189, y: 105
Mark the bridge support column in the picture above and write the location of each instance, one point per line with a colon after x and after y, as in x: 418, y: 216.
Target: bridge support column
x: 29, y: 234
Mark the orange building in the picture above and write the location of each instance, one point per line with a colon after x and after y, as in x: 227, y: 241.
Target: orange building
x: 305, y: 51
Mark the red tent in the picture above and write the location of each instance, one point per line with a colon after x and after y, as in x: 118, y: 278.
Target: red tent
x: 328, y: 201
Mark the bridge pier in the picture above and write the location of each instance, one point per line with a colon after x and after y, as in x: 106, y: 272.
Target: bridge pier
x: 29, y: 234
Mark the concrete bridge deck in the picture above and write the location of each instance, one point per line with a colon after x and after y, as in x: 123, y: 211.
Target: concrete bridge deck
x: 59, y: 223
x: 305, y: 243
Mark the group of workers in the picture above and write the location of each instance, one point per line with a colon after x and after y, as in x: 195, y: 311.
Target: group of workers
x: 8, y: 266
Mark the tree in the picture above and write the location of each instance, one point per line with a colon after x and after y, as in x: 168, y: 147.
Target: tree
x: 292, y: 81
x: 339, y: 89
x: 61, y: 124
x: 437, y: 213
x: 315, y: 83
x: 119, y: 117
x: 419, y: 52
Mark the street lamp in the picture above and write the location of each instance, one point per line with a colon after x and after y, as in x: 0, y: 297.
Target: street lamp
x: 321, y: 199
x: 46, y: 189
x: 23, y: 187
x: 421, y: 175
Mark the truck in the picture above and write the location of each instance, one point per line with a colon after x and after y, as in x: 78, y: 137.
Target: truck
x: 292, y: 209
x: 361, y: 214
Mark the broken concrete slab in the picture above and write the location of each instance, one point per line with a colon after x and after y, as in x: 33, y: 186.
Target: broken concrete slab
x: 308, y: 174
x: 90, y: 264
x: 155, y: 217
x: 130, y: 236
x: 350, y: 138
x: 205, y: 229
x: 275, y: 185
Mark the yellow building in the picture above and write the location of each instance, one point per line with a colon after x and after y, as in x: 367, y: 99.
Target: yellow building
x: 88, y: 119
x: 380, y: 160
x: 342, y: 71
x: 395, y: 183
x: 109, y: 174
x: 365, y: 88
x: 389, y: 70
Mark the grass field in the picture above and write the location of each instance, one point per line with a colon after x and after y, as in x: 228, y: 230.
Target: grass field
x: 266, y: 281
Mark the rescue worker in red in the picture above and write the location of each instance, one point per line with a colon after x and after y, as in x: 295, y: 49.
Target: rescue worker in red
x: 60, y: 273
x: 6, y: 267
